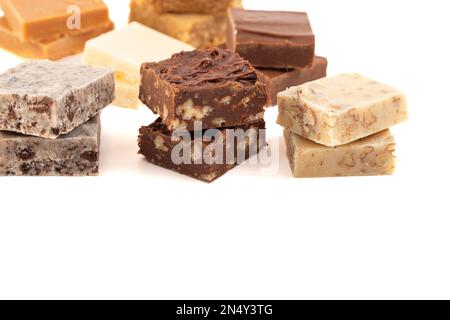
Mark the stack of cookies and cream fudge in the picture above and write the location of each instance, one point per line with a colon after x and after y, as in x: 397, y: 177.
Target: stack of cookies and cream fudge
x: 51, y: 29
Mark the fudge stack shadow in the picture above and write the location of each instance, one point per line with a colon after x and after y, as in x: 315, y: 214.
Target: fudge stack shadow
x: 49, y: 118
x: 201, y: 23
x: 339, y: 126
x: 51, y: 29
x: 194, y: 92
x: 280, y: 44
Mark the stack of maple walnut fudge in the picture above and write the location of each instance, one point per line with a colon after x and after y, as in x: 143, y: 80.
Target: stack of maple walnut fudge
x: 194, y: 92
x: 50, y: 118
x: 280, y: 44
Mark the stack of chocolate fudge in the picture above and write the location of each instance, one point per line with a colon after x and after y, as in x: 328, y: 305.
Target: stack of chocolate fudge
x: 280, y: 44
x: 339, y: 126
x: 51, y: 29
x: 49, y: 118
x: 194, y: 92
x: 201, y: 23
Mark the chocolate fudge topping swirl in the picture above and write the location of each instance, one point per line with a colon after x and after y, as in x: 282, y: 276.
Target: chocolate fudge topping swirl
x: 202, y: 67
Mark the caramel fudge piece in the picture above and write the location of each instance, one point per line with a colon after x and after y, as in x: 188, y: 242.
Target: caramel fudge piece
x: 277, y: 80
x: 205, y: 158
x: 341, y: 109
x: 73, y: 154
x: 48, y: 99
x: 48, y: 49
x: 46, y: 20
x: 189, y: 6
x: 199, y: 30
x: 271, y: 39
x: 125, y: 50
x: 215, y: 86
x: 370, y: 156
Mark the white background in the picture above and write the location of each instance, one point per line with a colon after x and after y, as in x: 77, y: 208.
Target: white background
x: 139, y: 231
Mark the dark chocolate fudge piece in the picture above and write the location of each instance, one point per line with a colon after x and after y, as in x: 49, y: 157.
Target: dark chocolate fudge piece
x: 271, y: 39
x: 277, y: 80
x: 73, y: 154
x: 214, y: 86
x: 205, y: 157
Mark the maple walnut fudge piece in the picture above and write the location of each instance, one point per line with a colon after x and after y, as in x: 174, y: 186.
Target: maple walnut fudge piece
x: 371, y: 156
x: 73, y: 154
x: 216, y: 87
x: 47, y: 99
x: 341, y: 109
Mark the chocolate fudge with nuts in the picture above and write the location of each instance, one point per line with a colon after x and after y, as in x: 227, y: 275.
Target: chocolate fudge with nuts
x: 271, y: 39
x: 73, y: 154
x: 47, y: 99
x: 215, y: 86
x: 205, y: 155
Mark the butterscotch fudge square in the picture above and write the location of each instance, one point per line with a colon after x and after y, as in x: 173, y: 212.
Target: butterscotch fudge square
x: 370, y: 156
x: 48, y: 99
x: 215, y: 87
x: 189, y: 6
x: 73, y: 154
x: 341, y: 109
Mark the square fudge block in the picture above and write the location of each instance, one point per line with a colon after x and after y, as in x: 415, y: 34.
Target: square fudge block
x: 73, y: 154
x: 206, y: 157
x: 139, y: 40
x: 48, y: 49
x: 199, y: 30
x: 47, y: 99
x: 271, y: 39
x: 49, y: 19
x: 370, y: 156
x: 189, y: 6
x: 277, y: 80
x: 341, y: 109
x: 216, y: 87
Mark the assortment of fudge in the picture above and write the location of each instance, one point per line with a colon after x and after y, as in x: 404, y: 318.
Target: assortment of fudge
x: 192, y: 92
x: 201, y: 23
x: 208, y: 69
x: 49, y: 29
x: 49, y: 118
x: 339, y: 126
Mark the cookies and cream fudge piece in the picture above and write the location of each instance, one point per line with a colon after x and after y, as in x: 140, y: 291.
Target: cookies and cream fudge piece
x: 199, y: 30
x: 277, y: 80
x: 215, y: 86
x: 370, y: 156
x: 189, y: 6
x: 48, y: 99
x: 50, y: 19
x: 341, y: 109
x: 125, y: 50
x: 206, y: 157
x: 73, y: 154
x: 48, y: 49
x: 271, y: 39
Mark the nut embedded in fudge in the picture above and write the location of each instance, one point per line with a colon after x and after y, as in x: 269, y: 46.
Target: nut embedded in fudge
x: 277, y: 80
x: 73, y: 154
x: 271, y: 39
x: 369, y: 156
x: 341, y: 109
x: 158, y: 144
x: 216, y: 87
x: 47, y: 99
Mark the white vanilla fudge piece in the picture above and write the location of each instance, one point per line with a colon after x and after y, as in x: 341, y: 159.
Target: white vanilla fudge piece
x: 47, y: 99
x: 125, y: 50
x: 341, y: 109
x: 371, y: 156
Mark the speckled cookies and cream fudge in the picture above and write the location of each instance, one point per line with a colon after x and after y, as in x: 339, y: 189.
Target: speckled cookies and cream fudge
x: 370, y: 156
x: 73, y: 154
x: 125, y: 50
x: 48, y: 99
x: 341, y: 109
